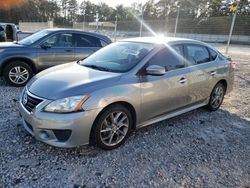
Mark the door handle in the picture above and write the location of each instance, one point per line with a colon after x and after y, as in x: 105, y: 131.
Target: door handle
x: 68, y: 50
x: 212, y: 73
x: 182, y: 80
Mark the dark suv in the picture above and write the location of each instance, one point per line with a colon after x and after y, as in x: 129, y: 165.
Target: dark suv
x: 46, y: 48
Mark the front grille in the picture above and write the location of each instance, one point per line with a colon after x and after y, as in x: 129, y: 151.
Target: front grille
x: 32, y: 102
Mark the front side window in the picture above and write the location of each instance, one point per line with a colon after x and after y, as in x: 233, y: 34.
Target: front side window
x: 87, y: 41
x: 197, y: 54
x: 170, y: 57
x: 59, y: 40
x: 33, y: 38
x: 118, y: 57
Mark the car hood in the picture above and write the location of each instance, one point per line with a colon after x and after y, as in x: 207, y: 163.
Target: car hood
x: 69, y: 79
x: 9, y: 45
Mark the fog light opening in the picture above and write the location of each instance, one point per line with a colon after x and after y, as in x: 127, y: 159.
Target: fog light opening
x: 44, y: 135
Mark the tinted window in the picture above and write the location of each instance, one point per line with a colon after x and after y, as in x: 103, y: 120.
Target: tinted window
x: 213, y: 54
x: 59, y: 40
x: 34, y: 37
x: 169, y: 59
x: 179, y: 50
x: 103, y: 43
x: 87, y: 41
x: 197, y: 54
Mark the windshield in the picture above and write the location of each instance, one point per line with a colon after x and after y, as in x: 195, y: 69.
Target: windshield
x: 1, y: 28
x: 118, y: 57
x: 33, y: 38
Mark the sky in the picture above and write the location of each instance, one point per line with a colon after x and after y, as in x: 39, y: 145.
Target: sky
x: 113, y: 3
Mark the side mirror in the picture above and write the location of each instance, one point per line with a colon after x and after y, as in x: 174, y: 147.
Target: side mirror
x: 44, y: 46
x: 155, y: 70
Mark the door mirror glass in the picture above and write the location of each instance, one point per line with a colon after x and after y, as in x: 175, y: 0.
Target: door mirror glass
x: 155, y: 70
x: 45, y: 46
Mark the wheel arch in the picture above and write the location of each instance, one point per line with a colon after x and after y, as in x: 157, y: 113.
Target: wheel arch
x: 23, y: 59
x: 127, y: 105
x: 224, y: 82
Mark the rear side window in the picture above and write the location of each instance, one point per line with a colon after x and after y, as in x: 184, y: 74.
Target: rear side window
x: 86, y: 41
x: 103, y: 44
x: 213, y: 54
x: 59, y: 40
x: 168, y: 59
x: 197, y: 54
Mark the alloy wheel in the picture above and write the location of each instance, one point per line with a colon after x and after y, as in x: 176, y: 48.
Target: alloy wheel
x: 18, y: 75
x: 114, y: 128
x: 217, y: 96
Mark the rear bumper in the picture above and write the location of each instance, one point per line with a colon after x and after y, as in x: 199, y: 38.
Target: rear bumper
x: 60, y: 130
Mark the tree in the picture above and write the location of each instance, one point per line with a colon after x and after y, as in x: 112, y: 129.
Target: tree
x: 72, y: 10
x: 150, y: 10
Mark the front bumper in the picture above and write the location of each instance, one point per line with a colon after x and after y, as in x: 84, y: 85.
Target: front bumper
x: 44, y: 126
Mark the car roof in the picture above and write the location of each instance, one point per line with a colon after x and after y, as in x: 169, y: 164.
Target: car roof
x: 1, y: 23
x: 79, y: 31
x: 158, y: 40
x: 166, y: 40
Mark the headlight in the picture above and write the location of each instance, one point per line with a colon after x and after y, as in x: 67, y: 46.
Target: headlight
x: 69, y: 104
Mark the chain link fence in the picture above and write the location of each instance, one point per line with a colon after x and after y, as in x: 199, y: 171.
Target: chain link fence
x: 210, y: 29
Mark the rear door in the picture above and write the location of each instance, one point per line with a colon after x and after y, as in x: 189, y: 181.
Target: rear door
x: 86, y: 45
x: 166, y: 93
x: 58, y: 49
x: 199, y: 73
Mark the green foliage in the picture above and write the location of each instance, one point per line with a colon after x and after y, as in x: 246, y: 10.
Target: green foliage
x: 68, y: 11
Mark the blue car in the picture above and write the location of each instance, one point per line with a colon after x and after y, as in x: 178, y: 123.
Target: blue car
x: 19, y: 61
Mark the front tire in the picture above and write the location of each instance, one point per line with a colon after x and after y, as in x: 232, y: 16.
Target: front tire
x: 216, y: 97
x: 112, y: 127
x: 17, y: 73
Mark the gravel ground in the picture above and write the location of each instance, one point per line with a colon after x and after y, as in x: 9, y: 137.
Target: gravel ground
x: 197, y: 149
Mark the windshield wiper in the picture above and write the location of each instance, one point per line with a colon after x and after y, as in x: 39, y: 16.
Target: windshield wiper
x: 98, y: 68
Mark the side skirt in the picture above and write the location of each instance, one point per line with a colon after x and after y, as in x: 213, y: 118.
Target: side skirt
x: 169, y: 115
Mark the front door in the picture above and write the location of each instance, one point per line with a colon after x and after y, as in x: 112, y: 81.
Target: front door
x: 56, y: 50
x: 166, y: 93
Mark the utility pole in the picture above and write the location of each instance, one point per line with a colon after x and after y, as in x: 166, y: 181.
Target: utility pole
x: 97, y: 20
x: 141, y: 20
x: 115, y: 26
x: 84, y: 19
x: 177, y: 20
x: 232, y: 26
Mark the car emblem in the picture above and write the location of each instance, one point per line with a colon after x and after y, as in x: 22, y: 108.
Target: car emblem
x: 25, y: 98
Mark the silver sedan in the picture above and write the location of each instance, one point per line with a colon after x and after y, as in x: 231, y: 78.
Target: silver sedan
x: 122, y: 87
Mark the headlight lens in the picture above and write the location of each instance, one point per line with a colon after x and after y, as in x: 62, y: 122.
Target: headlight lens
x: 69, y: 104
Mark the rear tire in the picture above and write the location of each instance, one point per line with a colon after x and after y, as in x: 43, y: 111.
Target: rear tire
x: 216, y: 97
x: 17, y: 73
x: 111, y: 127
